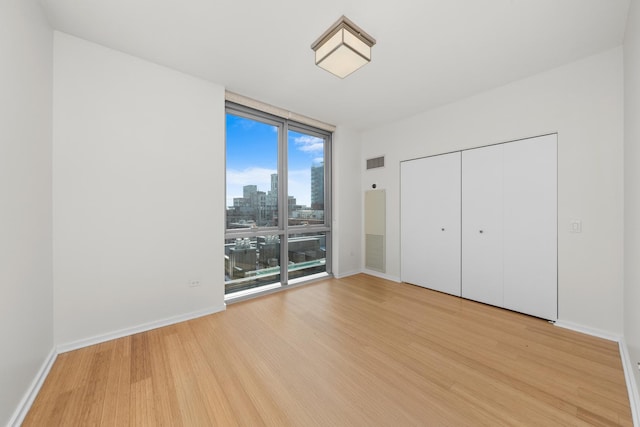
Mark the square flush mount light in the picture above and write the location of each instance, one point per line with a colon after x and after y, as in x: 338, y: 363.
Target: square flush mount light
x: 343, y: 48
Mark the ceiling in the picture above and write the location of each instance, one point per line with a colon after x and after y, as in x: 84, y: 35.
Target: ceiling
x: 428, y: 52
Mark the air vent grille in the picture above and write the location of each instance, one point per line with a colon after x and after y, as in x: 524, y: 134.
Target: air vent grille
x: 377, y: 162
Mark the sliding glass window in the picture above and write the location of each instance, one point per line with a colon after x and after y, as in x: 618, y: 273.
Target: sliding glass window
x: 277, y: 201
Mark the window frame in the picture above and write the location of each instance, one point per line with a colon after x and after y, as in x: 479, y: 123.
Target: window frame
x: 283, y: 229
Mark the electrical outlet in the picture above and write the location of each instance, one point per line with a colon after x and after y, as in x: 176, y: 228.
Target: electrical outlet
x: 194, y: 283
x: 575, y: 225
x: 638, y: 365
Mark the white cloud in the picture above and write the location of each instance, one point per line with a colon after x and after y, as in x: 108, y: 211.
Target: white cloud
x: 309, y: 144
x: 249, y: 176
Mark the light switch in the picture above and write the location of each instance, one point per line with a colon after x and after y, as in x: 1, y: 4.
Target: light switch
x: 575, y: 225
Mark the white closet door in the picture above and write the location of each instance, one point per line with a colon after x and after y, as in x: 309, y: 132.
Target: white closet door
x: 530, y: 226
x: 430, y: 222
x: 482, y: 276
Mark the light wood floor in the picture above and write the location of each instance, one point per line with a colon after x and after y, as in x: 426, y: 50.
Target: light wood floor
x: 359, y: 351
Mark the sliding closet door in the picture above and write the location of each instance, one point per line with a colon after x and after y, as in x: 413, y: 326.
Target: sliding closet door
x: 482, y: 278
x: 530, y: 226
x: 430, y: 222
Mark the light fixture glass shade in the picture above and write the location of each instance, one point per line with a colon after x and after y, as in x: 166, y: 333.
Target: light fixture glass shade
x: 343, y: 48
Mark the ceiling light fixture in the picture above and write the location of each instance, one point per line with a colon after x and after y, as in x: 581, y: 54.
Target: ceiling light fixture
x: 343, y: 48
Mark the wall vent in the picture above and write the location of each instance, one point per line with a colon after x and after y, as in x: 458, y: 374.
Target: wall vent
x: 377, y: 162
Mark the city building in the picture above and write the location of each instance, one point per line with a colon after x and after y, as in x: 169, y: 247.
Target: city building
x: 317, y: 186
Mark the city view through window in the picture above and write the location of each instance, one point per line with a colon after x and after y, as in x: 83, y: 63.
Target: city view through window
x: 257, y: 238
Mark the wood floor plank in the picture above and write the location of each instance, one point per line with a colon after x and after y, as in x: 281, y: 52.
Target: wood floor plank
x: 358, y: 351
x: 116, y: 405
x: 165, y: 395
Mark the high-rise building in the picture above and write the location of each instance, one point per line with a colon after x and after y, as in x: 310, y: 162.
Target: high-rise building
x: 271, y: 208
x: 274, y: 184
x: 248, y: 190
x: 317, y: 186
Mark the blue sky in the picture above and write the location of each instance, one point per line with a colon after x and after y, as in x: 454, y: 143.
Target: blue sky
x: 252, y: 156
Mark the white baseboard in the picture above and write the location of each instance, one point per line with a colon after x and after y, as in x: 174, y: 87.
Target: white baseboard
x: 347, y: 274
x: 381, y: 275
x: 632, y: 385
x: 587, y: 330
x: 627, y: 363
x: 63, y: 348
x: 31, y: 393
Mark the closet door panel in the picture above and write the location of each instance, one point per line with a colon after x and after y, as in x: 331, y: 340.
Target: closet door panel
x: 482, y: 234
x: 530, y: 226
x: 430, y: 222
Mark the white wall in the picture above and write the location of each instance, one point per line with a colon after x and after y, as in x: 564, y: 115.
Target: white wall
x: 632, y: 186
x: 347, y: 206
x: 138, y: 188
x: 583, y: 103
x: 26, y: 301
